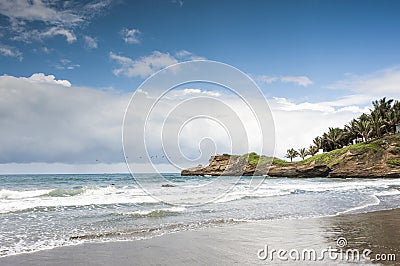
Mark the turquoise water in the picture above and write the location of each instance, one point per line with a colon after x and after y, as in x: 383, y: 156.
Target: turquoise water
x: 46, y: 211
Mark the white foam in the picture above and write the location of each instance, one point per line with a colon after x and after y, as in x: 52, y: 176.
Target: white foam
x: 315, y: 186
x: 374, y: 201
x: 388, y: 193
x: 91, y: 196
x: 246, y: 193
x: 148, y: 212
x: 15, y: 194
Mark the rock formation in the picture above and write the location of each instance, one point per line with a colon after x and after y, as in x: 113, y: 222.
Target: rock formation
x: 376, y: 159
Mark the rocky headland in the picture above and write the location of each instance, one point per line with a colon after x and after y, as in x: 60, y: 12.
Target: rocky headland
x: 379, y: 158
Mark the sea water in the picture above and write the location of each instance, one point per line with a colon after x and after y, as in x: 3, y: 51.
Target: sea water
x: 46, y: 211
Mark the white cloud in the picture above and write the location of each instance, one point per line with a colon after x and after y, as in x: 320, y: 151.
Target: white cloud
x: 42, y: 119
x: 90, y: 42
x: 69, y: 35
x: 146, y: 65
x: 297, y: 128
x: 297, y: 124
x: 37, y: 10
x: 131, y: 35
x: 179, y: 2
x: 299, y: 80
x: 382, y: 83
x: 286, y: 105
x: 57, y: 18
x: 36, y: 35
x: 6, y: 50
x: 343, y: 104
x: 186, y: 93
x: 66, y: 64
x: 40, y: 77
x: 189, y: 91
x: 266, y: 79
x: 143, y: 66
x: 186, y: 55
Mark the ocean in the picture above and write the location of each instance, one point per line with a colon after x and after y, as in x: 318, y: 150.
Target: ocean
x: 46, y: 211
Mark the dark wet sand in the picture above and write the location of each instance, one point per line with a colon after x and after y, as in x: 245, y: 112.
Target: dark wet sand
x: 236, y: 244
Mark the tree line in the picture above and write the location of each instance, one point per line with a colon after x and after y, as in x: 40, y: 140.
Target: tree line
x: 381, y: 120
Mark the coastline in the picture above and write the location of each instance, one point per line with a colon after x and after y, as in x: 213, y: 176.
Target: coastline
x: 377, y: 158
x: 234, y: 244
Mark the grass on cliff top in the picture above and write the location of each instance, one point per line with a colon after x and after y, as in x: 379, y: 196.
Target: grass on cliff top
x: 328, y: 158
x: 260, y: 160
x: 334, y: 157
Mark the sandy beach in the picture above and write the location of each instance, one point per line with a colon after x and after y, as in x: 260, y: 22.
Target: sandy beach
x: 240, y: 244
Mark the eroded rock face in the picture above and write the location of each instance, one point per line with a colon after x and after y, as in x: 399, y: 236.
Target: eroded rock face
x: 224, y: 165
x: 380, y: 160
x: 303, y: 171
x: 221, y: 165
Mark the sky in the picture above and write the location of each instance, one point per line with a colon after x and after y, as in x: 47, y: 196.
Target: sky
x: 69, y: 68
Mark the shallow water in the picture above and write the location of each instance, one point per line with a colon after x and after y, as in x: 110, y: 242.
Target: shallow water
x: 45, y: 211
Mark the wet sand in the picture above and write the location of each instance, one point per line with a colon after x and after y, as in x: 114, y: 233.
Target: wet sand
x: 238, y: 244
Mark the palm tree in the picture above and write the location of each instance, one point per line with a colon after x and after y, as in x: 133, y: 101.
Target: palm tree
x: 351, y: 130
x: 312, y: 150
x: 383, y: 119
x: 363, y: 127
x: 291, y: 153
x: 382, y: 106
x: 318, y: 142
x: 335, y: 136
x: 391, y: 121
x: 377, y: 123
x: 381, y: 110
x: 303, y: 153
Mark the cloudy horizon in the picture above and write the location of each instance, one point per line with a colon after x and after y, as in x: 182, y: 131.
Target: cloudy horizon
x: 69, y: 69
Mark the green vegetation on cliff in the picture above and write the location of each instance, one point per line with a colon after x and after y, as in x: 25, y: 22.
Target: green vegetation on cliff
x: 379, y: 158
x: 382, y: 120
x: 383, y: 151
x: 374, y: 149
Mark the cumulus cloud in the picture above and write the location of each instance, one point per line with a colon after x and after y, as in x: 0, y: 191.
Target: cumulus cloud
x: 297, y: 124
x: 48, y: 120
x: 51, y: 79
x: 44, y: 119
x: 131, y: 35
x: 297, y: 128
x: 146, y: 65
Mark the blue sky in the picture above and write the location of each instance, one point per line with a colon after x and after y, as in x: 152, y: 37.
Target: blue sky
x: 323, y: 40
x: 305, y: 55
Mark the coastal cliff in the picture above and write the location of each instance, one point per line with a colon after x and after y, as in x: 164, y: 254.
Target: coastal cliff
x: 375, y: 159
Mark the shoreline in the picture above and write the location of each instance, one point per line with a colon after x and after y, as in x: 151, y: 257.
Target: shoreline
x: 234, y: 243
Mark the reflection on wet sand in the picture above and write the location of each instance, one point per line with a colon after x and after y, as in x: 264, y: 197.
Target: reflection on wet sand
x: 377, y: 231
